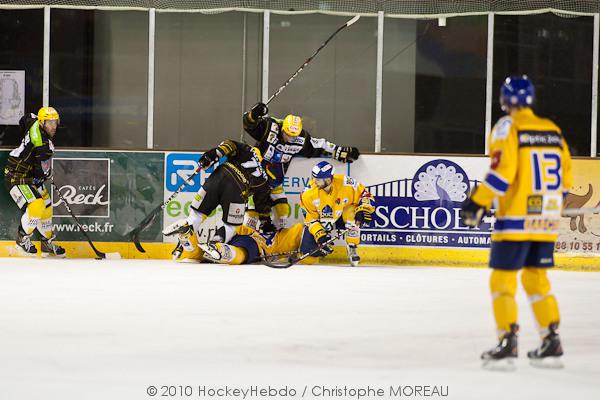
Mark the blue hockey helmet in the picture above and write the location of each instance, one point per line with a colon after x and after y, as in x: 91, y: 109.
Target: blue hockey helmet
x: 516, y: 91
x: 322, y: 170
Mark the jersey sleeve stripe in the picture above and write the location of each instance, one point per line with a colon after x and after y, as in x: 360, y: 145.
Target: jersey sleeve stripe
x: 496, y: 183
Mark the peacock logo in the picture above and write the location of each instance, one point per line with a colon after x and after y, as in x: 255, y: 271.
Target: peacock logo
x: 441, y: 180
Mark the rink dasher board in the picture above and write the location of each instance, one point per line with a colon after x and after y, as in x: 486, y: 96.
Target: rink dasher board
x: 370, y: 255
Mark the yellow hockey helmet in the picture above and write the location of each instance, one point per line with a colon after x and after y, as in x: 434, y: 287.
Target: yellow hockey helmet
x: 292, y: 125
x: 48, y: 113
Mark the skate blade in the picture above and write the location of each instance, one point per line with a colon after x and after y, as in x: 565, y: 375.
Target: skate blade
x: 547, y: 362
x: 503, y: 365
x: 46, y: 255
x: 23, y: 252
x: 210, y: 253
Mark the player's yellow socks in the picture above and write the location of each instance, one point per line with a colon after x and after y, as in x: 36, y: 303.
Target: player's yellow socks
x: 503, y: 285
x: 45, y: 223
x: 545, y: 307
x: 32, y: 215
x: 191, y: 251
x: 233, y: 255
x: 353, y: 237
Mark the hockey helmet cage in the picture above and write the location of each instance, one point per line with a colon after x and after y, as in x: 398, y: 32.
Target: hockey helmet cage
x: 292, y: 125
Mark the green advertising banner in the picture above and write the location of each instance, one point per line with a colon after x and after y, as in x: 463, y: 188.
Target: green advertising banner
x: 109, y: 192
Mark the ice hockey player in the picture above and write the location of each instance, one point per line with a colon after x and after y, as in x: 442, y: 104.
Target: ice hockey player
x: 27, y: 169
x: 334, y: 201
x: 229, y: 186
x: 279, y: 141
x: 529, y: 174
x: 249, y: 245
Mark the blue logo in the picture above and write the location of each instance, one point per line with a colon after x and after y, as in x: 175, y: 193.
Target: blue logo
x: 425, y: 210
x: 441, y: 180
x: 182, y: 166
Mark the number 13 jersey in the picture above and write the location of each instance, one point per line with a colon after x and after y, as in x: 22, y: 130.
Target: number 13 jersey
x: 530, y: 172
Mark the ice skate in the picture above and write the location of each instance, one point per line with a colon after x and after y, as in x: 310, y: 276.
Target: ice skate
x: 51, y: 249
x: 549, y: 354
x: 179, y: 227
x: 211, y: 251
x: 503, y: 356
x: 24, y: 244
x: 353, y: 256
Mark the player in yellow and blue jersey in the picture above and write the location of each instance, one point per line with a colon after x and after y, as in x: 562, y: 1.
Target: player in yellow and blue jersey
x: 334, y: 201
x: 249, y: 245
x: 529, y: 175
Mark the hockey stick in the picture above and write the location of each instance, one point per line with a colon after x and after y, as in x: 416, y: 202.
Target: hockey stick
x: 99, y: 255
x: 295, y: 256
x: 147, y: 221
x: 309, y: 59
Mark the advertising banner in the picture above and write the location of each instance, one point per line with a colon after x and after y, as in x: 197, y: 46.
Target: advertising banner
x: 109, y: 192
x: 179, y: 167
x: 12, y: 97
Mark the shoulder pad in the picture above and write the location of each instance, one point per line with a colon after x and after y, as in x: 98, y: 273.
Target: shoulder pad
x: 502, y: 128
x: 348, y: 181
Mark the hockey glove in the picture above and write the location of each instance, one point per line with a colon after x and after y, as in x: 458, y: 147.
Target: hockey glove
x: 39, y: 181
x: 363, y: 215
x: 322, y: 237
x: 209, y: 158
x: 346, y: 154
x: 259, y: 110
x: 266, y: 225
x: 471, y: 213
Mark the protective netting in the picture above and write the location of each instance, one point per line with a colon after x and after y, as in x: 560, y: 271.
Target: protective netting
x: 399, y: 8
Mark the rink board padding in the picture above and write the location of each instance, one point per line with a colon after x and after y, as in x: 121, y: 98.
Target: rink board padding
x: 416, y: 220
x: 370, y: 256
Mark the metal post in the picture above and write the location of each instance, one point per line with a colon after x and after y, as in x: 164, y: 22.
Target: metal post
x: 265, y: 59
x: 489, y: 74
x: 244, y: 66
x: 151, y: 33
x: 594, y: 127
x: 379, y: 82
x: 46, y: 62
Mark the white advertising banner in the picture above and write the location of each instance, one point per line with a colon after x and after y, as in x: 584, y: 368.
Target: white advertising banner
x: 417, y: 199
x: 12, y: 97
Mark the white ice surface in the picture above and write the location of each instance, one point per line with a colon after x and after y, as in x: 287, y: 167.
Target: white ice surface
x: 87, y: 329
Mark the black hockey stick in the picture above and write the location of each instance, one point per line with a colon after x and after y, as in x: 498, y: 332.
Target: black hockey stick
x: 309, y: 59
x: 134, y: 235
x: 99, y: 255
x: 294, y: 257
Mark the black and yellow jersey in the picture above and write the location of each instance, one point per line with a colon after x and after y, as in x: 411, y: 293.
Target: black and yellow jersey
x: 32, y: 160
x: 277, y: 154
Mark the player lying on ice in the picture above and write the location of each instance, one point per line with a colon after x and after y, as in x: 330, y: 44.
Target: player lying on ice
x: 279, y: 141
x: 340, y: 196
x: 246, y: 246
x: 229, y: 186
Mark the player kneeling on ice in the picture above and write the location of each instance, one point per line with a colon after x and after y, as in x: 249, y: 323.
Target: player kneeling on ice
x: 27, y: 169
x: 229, y: 186
x: 334, y: 201
x: 530, y: 172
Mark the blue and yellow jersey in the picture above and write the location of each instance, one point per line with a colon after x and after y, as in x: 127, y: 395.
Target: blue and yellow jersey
x: 282, y: 241
x: 530, y: 172
x: 323, y: 209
